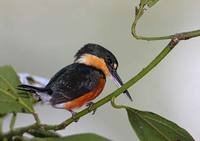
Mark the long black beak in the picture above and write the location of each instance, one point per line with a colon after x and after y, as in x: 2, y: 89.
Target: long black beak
x: 117, y: 80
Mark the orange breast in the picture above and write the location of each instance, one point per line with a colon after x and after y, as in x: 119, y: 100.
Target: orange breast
x: 78, y: 102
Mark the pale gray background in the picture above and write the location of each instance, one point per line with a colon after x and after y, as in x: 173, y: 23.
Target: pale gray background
x: 41, y: 36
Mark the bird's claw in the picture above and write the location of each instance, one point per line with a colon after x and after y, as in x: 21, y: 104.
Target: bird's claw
x: 74, y: 116
x: 90, y: 104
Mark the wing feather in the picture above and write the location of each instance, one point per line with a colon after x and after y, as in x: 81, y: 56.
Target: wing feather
x: 73, y: 81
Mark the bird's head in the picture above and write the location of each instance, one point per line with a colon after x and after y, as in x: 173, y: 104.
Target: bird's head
x: 99, y: 57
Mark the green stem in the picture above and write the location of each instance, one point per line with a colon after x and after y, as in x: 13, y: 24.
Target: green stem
x: 13, y: 120
x: 35, y: 115
x: 1, y: 124
x: 101, y: 102
x: 175, y: 38
x: 116, y: 106
x: 138, y: 14
x: 174, y: 41
x: 18, y: 131
x: 195, y: 33
x: 127, y: 85
x: 42, y: 133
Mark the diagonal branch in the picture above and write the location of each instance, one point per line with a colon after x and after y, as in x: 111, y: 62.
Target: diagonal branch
x: 174, y: 41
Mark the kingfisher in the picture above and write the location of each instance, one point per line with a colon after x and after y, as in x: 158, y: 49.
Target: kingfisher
x: 79, y: 83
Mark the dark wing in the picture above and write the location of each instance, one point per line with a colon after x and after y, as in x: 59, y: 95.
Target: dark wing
x: 73, y: 81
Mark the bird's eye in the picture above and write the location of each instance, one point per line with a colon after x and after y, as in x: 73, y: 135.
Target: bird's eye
x: 115, y: 66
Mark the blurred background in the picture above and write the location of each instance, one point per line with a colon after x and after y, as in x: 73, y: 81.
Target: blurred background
x: 42, y: 36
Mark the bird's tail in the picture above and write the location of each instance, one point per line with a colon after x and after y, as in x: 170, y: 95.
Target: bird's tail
x: 31, y: 89
x: 44, y: 94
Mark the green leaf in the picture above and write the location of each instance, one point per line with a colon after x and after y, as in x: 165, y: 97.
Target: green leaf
x: 149, y: 3
x: 139, y: 10
x: 10, y: 99
x: 152, y: 127
x: 78, y: 137
x: 10, y: 75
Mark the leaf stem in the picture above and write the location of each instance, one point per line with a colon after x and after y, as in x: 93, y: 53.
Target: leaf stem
x: 13, y: 120
x: 116, y: 106
x: 35, y: 115
x: 1, y: 124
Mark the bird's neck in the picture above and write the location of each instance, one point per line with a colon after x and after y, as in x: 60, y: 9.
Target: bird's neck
x: 94, y: 61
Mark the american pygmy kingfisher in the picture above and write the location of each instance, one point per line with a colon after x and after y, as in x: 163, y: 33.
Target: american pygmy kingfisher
x: 79, y: 83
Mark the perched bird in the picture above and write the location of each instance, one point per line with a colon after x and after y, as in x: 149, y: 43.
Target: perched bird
x: 79, y: 83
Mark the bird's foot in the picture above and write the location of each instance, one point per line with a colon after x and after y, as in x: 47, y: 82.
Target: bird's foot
x: 90, y: 104
x: 74, y: 116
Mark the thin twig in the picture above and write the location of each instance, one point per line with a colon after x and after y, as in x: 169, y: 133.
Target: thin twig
x: 42, y: 133
x: 13, y: 120
x: 138, y: 14
x: 1, y: 124
x: 35, y: 115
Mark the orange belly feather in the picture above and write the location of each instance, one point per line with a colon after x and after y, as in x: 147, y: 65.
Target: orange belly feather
x: 78, y: 102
